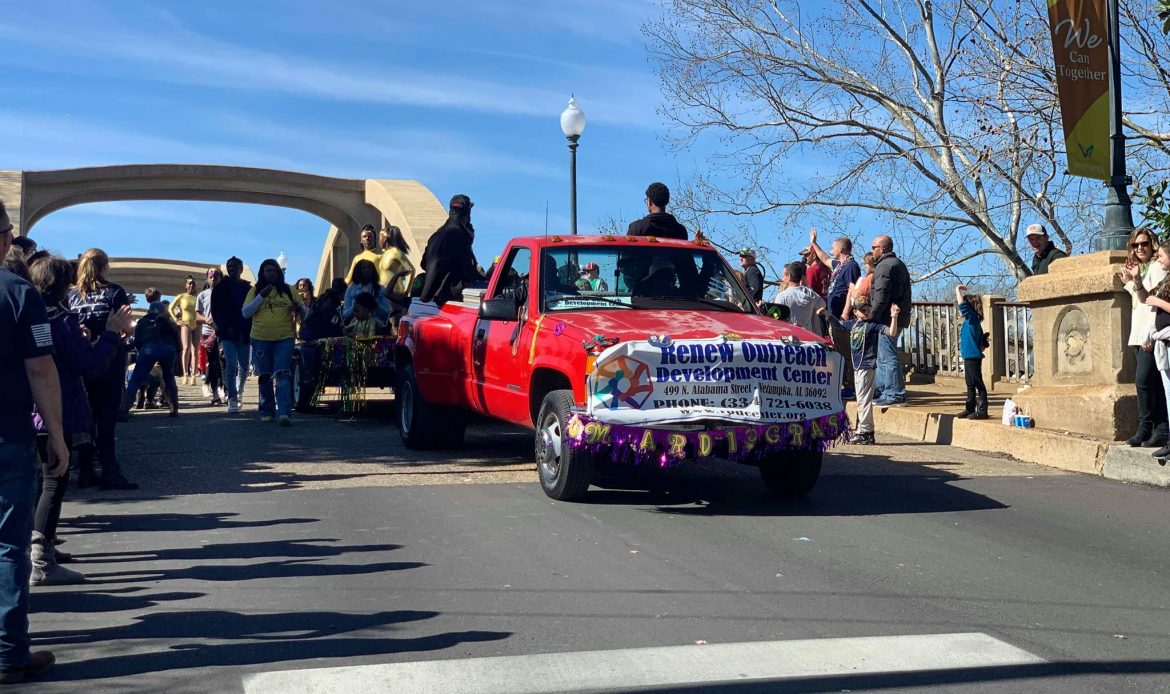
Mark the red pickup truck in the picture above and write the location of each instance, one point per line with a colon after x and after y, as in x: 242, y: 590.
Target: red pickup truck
x: 619, y: 351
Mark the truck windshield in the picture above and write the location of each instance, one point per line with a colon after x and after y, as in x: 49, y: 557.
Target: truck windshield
x: 639, y: 277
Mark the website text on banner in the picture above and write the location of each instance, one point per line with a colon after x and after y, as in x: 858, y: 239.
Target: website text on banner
x: 1080, y: 35
x: 753, y: 381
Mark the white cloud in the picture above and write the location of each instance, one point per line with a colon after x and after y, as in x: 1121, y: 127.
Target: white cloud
x: 40, y: 141
x: 185, y: 57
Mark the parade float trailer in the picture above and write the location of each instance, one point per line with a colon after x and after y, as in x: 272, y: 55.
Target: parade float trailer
x: 655, y: 357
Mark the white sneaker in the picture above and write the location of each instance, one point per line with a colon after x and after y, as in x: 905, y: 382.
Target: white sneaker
x: 206, y: 391
x: 222, y: 393
x: 233, y: 406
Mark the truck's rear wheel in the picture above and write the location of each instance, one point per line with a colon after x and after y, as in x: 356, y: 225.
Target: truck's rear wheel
x: 304, y: 383
x: 791, y: 473
x: 564, y: 471
x: 422, y: 425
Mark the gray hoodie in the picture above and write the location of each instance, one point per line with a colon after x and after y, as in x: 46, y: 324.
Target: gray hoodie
x: 803, y: 302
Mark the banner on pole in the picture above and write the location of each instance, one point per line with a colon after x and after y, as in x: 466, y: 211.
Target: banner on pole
x: 1080, y: 44
x: 661, y: 381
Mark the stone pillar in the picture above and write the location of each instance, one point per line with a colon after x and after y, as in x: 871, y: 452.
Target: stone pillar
x: 12, y: 195
x: 994, y: 359
x: 1084, y: 371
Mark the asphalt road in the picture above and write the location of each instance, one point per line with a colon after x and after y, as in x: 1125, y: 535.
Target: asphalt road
x: 252, y: 549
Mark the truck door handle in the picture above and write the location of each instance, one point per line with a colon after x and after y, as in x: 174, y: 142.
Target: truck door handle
x: 478, y: 348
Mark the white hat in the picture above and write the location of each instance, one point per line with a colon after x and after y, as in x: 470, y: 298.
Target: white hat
x: 1037, y: 230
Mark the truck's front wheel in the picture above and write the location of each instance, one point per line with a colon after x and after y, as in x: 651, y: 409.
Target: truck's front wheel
x: 564, y: 471
x: 791, y: 473
x: 421, y: 425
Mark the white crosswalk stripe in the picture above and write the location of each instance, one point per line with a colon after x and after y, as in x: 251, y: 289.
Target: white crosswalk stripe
x: 662, y: 666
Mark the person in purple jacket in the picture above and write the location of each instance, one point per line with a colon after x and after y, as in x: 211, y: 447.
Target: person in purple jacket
x: 77, y: 359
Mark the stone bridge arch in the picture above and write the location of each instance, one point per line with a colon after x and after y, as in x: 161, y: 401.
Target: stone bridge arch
x: 347, y: 204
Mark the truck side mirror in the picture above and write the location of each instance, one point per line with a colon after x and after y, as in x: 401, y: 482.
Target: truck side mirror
x: 499, y: 308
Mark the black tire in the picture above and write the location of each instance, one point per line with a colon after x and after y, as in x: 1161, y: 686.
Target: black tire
x: 303, y: 386
x: 792, y: 473
x: 421, y: 425
x: 564, y: 472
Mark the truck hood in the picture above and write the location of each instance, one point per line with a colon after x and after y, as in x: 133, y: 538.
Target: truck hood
x: 624, y: 325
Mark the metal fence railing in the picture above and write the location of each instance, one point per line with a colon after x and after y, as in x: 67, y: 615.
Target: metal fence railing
x: 932, y: 340
x: 1019, y: 357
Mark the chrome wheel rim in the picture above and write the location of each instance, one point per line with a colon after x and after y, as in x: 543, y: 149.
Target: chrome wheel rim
x: 549, y: 450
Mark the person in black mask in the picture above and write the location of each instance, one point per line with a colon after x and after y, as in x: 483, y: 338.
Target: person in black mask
x: 448, y: 262
x: 658, y: 222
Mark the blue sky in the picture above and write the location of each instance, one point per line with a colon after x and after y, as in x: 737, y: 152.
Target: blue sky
x: 463, y: 96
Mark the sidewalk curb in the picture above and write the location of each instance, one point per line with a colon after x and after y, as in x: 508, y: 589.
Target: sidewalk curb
x: 1135, y: 465
x: 1071, y: 452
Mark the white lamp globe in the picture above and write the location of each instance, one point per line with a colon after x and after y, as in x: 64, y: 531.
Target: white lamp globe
x: 282, y: 260
x: 572, y: 120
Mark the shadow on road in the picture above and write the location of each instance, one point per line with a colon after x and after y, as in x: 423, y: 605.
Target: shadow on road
x: 166, y: 522
x: 247, y: 639
x: 207, y: 451
x: 238, y: 550
x: 289, y: 568
x: 850, y: 485
x: 102, y: 600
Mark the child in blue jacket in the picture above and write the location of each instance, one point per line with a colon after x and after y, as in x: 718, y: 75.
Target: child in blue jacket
x: 971, y: 349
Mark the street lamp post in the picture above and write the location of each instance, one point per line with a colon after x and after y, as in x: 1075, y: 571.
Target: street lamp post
x: 282, y: 261
x: 1118, y: 213
x: 572, y: 125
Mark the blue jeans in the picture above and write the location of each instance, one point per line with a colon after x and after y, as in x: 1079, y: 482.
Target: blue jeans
x: 18, y: 487
x: 891, y: 383
x: 235, y: 357
x: 273, y: 360
x: 152, y: 353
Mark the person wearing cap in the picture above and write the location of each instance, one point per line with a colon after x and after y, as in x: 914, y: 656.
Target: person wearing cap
x: 30, y: 377
x: 213, y: 374
x: 816, y: 273
x: 753, y: 276
x: 658, y: 222
x: 591, y: 279
x: 1046, y: 251
x: 449, y: 264
x: 370, y: 252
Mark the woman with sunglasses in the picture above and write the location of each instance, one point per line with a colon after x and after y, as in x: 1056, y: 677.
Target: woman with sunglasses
x: 183, y: 311
x: 1142, y: 273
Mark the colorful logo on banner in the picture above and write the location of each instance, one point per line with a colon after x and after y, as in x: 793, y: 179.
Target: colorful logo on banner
x: 662, y: 381
x: 623, y: 381
x: 1080, y: 44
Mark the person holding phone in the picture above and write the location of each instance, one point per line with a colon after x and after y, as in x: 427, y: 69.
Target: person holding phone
x: 274, y: 309
x: 1141, y: 275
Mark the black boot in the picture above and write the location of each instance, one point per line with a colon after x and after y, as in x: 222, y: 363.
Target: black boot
x: 1156, y: 440
x: 1162, y: 453
x: 968, y: 410
x: 980, y: 410
x: 1142, y: 435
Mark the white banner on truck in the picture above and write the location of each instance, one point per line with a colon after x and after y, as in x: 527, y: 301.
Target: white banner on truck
x: 749, y: 381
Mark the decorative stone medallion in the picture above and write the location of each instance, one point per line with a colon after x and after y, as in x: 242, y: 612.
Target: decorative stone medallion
x: 1073, y: 343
